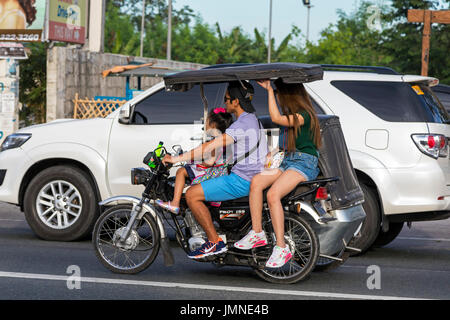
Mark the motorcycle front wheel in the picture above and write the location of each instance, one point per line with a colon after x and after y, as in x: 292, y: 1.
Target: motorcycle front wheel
x: 303, y: 243
x: 134, y: 254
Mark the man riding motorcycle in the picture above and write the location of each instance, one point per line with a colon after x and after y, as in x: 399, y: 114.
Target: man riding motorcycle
x: 249, y: 153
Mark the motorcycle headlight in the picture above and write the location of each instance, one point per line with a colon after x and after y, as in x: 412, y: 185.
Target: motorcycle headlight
x: 15, y: 140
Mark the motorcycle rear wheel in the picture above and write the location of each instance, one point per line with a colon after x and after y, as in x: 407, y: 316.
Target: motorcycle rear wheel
x: 137, y: 252
x: 304, y: 245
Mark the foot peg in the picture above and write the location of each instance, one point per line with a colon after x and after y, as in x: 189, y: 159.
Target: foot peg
x: 353, y: 249
x: 331, y: 257
x: 347, y: 248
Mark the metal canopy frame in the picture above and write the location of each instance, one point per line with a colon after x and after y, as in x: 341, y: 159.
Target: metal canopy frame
x: 289, y: 72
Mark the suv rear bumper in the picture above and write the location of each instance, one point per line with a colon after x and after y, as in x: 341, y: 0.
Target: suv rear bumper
x: 420, y: 216
x: 412, y: 191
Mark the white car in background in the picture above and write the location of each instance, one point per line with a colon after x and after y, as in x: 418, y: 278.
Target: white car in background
x: 395, y: 129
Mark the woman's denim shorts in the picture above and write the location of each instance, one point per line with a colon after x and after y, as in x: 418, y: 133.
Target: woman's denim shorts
x: 303, y: 163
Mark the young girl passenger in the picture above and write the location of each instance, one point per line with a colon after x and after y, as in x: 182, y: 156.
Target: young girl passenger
x: 218, y: 121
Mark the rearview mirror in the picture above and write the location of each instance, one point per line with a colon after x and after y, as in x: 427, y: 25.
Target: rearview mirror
x: 177, y: 149
x: 125, y: 113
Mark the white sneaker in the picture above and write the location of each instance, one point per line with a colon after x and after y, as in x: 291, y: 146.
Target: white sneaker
x: 251, y: 240
x: 280, y: 256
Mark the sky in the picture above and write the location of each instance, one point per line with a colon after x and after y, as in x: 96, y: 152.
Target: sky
x: 255, y: 13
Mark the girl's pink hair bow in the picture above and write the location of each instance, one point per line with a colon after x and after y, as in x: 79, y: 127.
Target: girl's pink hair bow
x: 220, y: 110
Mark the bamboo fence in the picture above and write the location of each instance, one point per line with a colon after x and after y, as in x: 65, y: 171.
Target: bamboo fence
x: 90, y: 108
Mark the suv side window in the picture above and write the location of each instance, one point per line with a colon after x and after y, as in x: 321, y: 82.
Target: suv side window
x: 168, y: 107
x: 391, y: 101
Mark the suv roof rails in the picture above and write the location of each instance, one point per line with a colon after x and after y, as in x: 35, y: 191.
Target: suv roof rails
x: 348, y: 68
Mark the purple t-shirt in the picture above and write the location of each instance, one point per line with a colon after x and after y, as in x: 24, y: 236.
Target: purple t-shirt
x: 246, y: 131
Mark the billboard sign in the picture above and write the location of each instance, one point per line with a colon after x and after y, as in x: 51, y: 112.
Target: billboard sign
x: 23, y: 20
x: 12, y: 50
x: 67, y: 20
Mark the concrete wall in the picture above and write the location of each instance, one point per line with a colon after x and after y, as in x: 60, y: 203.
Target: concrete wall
x: 9, y: 98
x: 71, y: 70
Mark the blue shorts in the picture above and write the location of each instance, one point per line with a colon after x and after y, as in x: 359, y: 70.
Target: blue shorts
x: 225, y: 188
x: 303, y: 163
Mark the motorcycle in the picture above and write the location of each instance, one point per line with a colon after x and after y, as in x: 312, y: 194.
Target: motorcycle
x: 321, y: 216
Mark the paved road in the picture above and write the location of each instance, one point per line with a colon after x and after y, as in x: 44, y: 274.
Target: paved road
x: 415, y: 265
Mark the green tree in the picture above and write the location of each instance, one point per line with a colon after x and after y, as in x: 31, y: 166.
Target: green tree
x: 403, y: 40
x: 192, y: 39
x: 349, y: 41
x: 33, y: 83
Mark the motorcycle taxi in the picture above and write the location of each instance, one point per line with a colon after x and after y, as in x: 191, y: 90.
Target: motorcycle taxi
x: 321, y: 216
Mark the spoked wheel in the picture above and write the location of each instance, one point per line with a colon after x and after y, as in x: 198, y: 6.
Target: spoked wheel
x: 303, y: 243
x: 134, y: 254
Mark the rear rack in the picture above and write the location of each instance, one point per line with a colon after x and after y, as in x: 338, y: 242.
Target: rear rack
x: 350, y: 68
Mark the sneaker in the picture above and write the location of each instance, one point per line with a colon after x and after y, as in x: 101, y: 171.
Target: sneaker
x: 280, y: 256
x: 167, y: 206
x: 209, y: 248
x: 252, y: 240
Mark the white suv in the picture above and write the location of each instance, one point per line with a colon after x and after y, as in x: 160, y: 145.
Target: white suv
x: 397, y: 135
x: 395, y: 129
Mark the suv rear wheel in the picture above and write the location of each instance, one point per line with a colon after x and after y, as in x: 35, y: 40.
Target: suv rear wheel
x: 385, y: 238
x: 370, y: 228
x: 60, y: 204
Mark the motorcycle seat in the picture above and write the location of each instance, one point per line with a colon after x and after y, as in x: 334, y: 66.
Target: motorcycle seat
x: 294, y: 193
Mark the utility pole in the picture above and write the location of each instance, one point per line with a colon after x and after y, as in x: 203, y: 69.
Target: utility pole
x: 169, y: 32
x: 308, y: 5
x: 142, y: 28
x: 307, y: 26
x: 269, y: 51
x: 427, y: 17
x: 95, y: 22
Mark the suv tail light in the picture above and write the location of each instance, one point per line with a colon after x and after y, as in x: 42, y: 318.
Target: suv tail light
x: 322, y: 193
x: 433, y: 145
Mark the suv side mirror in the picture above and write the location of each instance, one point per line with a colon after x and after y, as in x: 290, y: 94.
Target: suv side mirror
x: 125, y: 114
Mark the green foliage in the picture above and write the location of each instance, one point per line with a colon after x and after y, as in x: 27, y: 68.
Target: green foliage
x: 403, y: 40
x: 33, y: 83
x: 348, y: 41
x: 192, y: 39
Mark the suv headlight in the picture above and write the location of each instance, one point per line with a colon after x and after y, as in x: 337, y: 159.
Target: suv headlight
x: 15, y: 140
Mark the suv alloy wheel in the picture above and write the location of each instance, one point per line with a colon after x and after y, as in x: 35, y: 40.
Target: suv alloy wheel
x: 60, y: 204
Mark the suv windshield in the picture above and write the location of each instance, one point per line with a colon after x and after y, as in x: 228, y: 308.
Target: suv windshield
x: 396, y: 101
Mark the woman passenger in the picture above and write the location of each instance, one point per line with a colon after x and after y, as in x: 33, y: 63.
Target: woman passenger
x: 299, y: 165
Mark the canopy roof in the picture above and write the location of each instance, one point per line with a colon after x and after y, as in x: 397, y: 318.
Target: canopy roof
x: 289, y: 72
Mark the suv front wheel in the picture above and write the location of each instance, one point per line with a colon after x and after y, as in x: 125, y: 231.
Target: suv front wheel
x: 60, y: 204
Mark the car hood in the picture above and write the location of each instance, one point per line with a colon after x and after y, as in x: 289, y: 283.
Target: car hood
x: 46, y: 125
x: 93, y: 133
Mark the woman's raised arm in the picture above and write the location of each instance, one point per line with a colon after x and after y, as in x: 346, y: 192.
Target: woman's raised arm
x: 275, y: 115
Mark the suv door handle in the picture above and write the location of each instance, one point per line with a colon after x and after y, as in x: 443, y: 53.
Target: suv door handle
x: 196, y: 138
